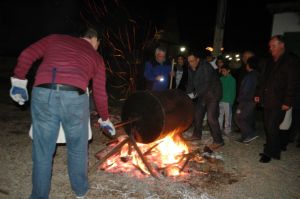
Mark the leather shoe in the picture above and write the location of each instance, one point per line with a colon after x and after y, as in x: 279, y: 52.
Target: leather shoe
x: 264, y: 158
x: 215, y: 146
x: 192, y: 138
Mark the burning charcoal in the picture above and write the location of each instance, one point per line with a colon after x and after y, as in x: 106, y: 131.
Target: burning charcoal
x: 198, y: 158
x: 171, y: 170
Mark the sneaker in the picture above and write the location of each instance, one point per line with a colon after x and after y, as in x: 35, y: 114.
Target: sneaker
x: 215, y: 146
x: 249, y: 139
x: 82, y: 197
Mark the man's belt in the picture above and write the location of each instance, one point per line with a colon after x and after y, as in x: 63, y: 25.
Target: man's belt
x: 61, y: 87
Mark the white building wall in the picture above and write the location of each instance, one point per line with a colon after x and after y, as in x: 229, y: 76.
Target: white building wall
x: 286, y: 22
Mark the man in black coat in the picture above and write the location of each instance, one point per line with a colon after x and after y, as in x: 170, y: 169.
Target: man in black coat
x: 276, y: 92
x: 204, y: 83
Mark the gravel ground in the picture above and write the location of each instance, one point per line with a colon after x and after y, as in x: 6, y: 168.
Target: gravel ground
x: 242, y: 176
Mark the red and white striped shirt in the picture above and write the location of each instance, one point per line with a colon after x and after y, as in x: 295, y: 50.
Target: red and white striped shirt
x: 76, y: 63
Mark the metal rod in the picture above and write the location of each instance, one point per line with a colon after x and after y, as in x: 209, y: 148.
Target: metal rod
x: 120, y: 124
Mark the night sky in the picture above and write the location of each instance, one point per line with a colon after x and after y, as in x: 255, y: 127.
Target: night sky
x: 248, y: 23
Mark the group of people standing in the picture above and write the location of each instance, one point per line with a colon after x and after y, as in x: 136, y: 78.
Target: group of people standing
x: 60, y: 98
x: 224, y: 96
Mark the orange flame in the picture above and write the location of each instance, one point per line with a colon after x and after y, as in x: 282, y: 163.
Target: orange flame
x: 166, y: 154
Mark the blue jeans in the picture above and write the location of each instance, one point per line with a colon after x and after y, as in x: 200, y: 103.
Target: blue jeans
x: 49, y: 108
x: 212, y: 108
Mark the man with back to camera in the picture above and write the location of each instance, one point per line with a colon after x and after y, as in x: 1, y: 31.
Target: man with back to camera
x: 59, y: 97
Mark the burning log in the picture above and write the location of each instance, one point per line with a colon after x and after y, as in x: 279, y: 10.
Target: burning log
x: 159, y: 114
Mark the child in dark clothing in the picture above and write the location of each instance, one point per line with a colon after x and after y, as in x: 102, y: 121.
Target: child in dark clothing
x: 244, y: 115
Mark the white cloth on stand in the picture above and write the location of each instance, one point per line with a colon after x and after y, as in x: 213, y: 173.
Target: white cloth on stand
x: 287, y: 121
x: 61, y: 139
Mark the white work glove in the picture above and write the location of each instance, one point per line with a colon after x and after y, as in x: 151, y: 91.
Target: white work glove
x: 108, y: 126
x: 18, y: 91
x: 191, y: 95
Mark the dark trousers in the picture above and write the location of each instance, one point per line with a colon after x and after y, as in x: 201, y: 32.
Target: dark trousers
x: 295, y: 128
x: 244, y: 118
x: 212, y: 109
x: 272, y: 120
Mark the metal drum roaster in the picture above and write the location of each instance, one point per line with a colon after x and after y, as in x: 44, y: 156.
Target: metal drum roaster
x: 157, y: 114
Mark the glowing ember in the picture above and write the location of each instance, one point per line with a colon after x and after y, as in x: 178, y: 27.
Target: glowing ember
x: 166, y: 155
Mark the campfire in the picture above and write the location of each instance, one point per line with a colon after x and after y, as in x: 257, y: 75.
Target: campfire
x: 167, y: 157
x: 152, y: 145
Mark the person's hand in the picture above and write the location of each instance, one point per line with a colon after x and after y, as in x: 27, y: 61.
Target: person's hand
x: 191, y: 95
x: 172, y: 74
x: 285, y: 107
x: 160, y: 78
x: 256, y: 99
x: 108, y: 127
x: 18, y: 91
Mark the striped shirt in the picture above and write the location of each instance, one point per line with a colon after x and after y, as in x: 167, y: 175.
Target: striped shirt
x: 75, y: 61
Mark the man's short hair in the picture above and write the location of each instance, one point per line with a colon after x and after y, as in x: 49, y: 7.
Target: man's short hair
x: 160, y: 49
x: 253, y: 62
x: 92, y: 32
x: 195, y: 54
x: 181, y: 55
x: 280, y: 38
x: 226, y: 67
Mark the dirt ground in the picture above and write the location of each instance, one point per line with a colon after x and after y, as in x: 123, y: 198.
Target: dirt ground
x: 242, y: 176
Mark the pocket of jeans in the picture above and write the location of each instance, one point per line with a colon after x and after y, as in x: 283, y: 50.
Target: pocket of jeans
x: 74, y: 98
x: 40, y: 95
x: 78, y: 113
x: 78, y: 108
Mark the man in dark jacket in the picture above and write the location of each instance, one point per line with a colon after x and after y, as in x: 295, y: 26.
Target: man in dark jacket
x: 276, y: 93
x: 204, y: 83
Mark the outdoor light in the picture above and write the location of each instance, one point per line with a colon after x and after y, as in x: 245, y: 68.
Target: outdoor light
x: 209, y: 48
x: 237, y: 59
x: 227, y: 56
x: 230, y: 58
x: 161, y: 79
x: 182, y: 49
x: 237, y: 55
